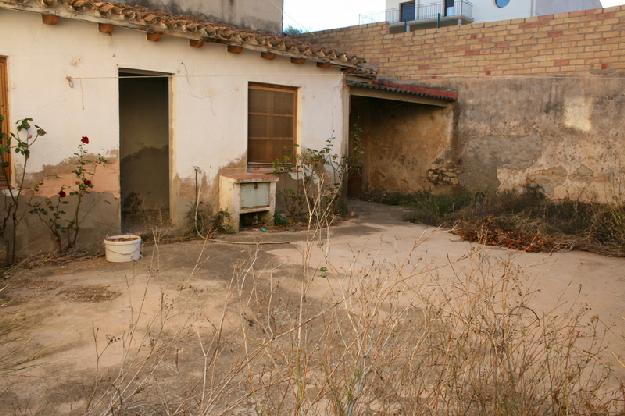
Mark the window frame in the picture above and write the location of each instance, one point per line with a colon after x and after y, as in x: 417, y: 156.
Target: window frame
x: 262, y: 86
x: 404, y: 5
x: 501, y: 6
x: 4, y: 99
x: 446, y: 7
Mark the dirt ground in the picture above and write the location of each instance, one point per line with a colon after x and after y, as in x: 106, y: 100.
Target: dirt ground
x: 63, y: 324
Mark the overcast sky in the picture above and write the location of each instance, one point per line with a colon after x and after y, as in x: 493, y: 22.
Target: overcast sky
x: 325, y: 14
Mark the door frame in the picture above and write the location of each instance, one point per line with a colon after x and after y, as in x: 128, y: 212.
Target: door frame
x: 170, y: 133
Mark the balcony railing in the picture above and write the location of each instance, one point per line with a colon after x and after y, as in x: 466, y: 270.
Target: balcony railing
x: 421, y: 12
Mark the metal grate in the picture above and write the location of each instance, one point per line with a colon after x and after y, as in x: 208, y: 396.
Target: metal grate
x: 411, y: 12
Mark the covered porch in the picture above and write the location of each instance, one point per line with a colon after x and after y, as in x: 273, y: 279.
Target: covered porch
x: 402, y: 137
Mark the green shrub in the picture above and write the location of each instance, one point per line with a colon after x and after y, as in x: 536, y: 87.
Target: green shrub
x: 280, y: 219
x: 204, y: 222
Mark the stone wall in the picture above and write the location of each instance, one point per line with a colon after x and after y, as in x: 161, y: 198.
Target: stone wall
x: 541, y: 100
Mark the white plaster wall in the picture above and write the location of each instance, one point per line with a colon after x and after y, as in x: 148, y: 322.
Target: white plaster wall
x: 487, y: 11
x: 209, y: 107
x: 543, y: 7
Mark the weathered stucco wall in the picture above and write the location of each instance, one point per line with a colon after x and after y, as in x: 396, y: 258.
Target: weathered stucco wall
x: 564, y: 135
x: 65, y: 77
x: 400, y: 143
x: 255, y: 14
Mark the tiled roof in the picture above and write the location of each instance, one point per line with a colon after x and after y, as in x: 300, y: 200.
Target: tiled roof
x: 140, y: 18
x: 405, y: 89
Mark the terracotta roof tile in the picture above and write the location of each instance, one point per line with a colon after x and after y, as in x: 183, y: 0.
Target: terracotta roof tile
x: 398, y: 87
x: 140, y: 18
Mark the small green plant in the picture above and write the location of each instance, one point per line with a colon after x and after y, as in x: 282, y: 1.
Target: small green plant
x: 293, y: 31
x: 279, y: 219
x: 61, y: 214
x: 204, y: 223
x: 19, y: 143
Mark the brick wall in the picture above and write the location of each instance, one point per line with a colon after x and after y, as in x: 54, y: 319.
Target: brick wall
x: 585, y: 42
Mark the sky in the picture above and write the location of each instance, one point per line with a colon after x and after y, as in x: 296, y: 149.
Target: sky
x: 325, y: 14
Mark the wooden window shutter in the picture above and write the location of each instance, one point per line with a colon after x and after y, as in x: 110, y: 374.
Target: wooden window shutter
x: 4, y: 110
x: 272, y: 124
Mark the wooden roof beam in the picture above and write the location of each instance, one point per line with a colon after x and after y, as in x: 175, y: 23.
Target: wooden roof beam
x: 268, y: 56
x: 106, y: 28
x: 196, y: 43
x: 154, y: 36
x: 50, y: 19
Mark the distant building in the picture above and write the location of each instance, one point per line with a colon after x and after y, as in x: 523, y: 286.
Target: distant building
x: 426, y: 13
x: 253, y: 14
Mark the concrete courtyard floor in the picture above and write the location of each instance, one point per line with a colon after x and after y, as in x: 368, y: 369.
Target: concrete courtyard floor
x: 57, y: 317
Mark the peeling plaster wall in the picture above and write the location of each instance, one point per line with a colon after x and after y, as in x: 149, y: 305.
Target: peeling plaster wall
x: 255, y: 14
x: 564, y: 135
x: 401, y: 142
x: 209, y: 103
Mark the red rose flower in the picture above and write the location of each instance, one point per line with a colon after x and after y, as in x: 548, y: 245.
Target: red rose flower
x: 85, y: 140
x: 62, y: 194
x: 87, y: 182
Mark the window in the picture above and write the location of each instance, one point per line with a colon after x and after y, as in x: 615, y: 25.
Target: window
x: 272, y: 118
x: 450, y: 10
x: 4, y: 111
x: 502, y: 3
x: 407, y: 11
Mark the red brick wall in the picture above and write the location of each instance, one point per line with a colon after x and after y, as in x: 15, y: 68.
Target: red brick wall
x: 586, y: 42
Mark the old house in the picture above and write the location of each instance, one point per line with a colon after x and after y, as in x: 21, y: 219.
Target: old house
x: 183, y: 109
x: 167, y: 100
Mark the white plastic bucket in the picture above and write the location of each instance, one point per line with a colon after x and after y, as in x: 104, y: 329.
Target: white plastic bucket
x: 122, y: 248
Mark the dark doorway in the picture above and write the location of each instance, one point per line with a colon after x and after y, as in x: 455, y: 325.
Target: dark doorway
x: 144, y: 149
